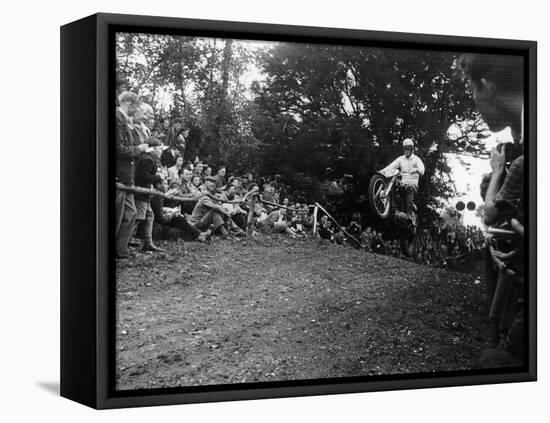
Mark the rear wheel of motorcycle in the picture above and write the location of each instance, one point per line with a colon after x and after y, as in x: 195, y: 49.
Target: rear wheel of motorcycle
x: 379, y: 206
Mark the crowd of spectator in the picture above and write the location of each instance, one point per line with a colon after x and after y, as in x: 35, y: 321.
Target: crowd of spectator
x: 203, y: 200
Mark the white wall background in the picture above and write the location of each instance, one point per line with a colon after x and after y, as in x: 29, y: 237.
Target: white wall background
x: 30, y: 175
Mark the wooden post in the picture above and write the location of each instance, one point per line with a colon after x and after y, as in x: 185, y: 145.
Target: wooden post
x: 250, y: 219
x: 315, y: 220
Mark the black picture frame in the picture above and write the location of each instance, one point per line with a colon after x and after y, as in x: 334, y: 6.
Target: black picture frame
x: 87, y: 259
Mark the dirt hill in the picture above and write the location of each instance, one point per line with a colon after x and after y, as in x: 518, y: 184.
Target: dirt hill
x: 272, y: 308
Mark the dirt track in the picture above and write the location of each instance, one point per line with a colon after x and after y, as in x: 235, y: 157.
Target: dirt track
x: 272, y: 309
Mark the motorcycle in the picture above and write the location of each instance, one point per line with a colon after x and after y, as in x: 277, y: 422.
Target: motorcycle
x: 383, y: 199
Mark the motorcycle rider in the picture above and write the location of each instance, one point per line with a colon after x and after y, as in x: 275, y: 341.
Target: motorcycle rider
x: 411, y: 168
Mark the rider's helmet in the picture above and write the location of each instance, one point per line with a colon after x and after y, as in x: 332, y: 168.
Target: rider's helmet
x: 408, y: 146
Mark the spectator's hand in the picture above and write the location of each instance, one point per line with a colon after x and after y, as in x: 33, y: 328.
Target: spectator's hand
x: 498, y: 158
x: 143, y: 147
x: 172, y: 191
x: 517, y: 227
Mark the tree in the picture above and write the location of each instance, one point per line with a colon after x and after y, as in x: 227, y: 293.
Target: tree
x: 340, y: 113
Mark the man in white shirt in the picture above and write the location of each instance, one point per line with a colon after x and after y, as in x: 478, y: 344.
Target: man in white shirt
x: 411, y: 168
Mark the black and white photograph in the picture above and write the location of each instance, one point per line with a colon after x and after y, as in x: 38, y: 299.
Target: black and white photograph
x: 294, y: 211
x: 288, y: 211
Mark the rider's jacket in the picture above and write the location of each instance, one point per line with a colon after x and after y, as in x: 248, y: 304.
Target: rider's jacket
x: 406, y: 165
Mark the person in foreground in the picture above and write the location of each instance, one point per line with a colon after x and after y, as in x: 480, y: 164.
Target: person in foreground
x: 497, y: 86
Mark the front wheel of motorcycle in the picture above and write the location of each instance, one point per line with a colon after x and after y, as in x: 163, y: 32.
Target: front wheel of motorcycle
x: 380, y: 204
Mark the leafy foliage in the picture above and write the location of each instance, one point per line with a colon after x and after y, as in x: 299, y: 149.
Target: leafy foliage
x: 316, y: 114
x: 340, y: 113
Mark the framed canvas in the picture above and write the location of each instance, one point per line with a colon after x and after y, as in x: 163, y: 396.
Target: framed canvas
x: 257, y: 211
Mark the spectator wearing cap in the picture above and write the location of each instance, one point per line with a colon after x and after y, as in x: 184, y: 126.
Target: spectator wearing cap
x: 208, y: 212
x: 127, y: 151
x: 146, y: 170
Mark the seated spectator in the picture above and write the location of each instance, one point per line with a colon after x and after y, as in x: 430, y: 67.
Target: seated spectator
x: 262, y: 222
x: 325, y: 229
x: 169, y: 223
x: 238, y: 215
x: 366, y: 238
x: 196, y: 186
x: 377, y: 243
x: 168, y: 158
x: 220, y: 177
x: 198, y: 169
x: 209, y: 212
x: 187, y: 191
x: 281, y: 224
x: 268, y: 193
x: 354, y: 228
x: 174, y: 172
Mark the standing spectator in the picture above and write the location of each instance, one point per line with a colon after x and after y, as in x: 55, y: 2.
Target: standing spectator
x: 137, y: 125
x: 127, y: 151
x: 148, y: 120
x: 165, y: 127
x: 176, y: 138
x: 146, y: 170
